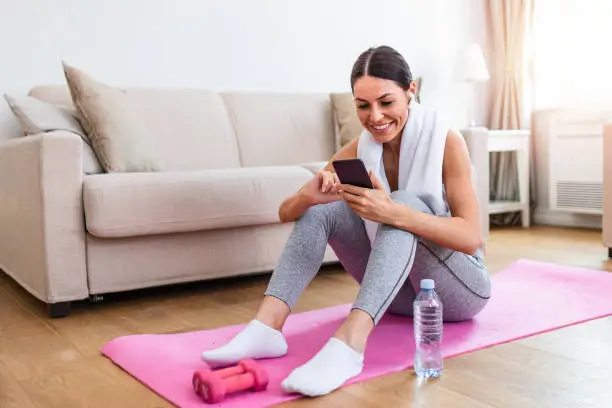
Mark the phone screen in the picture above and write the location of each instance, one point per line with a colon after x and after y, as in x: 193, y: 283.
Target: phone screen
x: 353, y: 172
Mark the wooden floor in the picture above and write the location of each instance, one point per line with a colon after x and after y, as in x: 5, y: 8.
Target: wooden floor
x: 56, y: 363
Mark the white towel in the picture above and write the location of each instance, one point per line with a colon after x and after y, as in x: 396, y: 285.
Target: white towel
x: 420, y: 160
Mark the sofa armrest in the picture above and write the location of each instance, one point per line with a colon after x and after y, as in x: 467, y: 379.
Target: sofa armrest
x: 477, y: 140
x: 607, y: 187
x: 41, y: 215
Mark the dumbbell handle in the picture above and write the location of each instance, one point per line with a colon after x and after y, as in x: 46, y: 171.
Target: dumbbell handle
x: 239, y: 382
x: 229, y: 371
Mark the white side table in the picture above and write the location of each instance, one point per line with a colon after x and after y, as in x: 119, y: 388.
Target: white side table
x: 516, y: 141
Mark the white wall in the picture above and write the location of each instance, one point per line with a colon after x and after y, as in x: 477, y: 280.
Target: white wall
x: 274, y: 45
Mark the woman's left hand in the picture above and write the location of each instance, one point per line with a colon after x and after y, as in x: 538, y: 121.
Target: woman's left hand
x: 373, y: 205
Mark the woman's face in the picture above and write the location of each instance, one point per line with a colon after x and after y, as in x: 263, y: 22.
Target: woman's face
x: 382, y: 106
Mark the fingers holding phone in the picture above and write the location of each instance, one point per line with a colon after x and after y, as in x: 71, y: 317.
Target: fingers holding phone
x: 362, y: 190
x: 322, y: 188
x: 329, y: 182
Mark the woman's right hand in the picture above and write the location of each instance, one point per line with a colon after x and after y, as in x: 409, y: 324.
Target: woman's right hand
x: 322, y: 188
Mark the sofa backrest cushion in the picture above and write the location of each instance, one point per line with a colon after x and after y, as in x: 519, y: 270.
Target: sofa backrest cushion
x: 140, y: 129
x: 36, y: 116
x: 282, y: 128
x: 54, y: 94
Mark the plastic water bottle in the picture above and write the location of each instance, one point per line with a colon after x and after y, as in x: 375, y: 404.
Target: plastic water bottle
x: 428, y: 329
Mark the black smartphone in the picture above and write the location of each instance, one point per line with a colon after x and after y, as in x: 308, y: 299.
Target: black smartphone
x: 353, y: 172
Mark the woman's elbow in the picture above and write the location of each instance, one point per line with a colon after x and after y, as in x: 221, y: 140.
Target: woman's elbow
x: 282, y: 215
x: 469, y: 241
x: 285, y: 214
x: 473, y: 243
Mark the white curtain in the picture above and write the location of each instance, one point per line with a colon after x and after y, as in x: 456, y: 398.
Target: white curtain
x: 510, y: 23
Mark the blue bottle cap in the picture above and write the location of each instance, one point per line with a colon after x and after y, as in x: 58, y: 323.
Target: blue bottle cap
x: 427, y: 284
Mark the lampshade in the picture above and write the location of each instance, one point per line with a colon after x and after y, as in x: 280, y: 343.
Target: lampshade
x: 471, y: 65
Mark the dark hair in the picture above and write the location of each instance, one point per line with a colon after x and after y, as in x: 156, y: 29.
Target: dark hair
x: 382, y: 62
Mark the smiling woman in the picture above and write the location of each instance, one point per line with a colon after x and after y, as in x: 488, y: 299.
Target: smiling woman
x: 421, y: 220
x: 382, y: 105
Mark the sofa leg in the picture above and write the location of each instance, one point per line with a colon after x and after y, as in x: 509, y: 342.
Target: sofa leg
x: 57, y: 310
x: 610, y: 253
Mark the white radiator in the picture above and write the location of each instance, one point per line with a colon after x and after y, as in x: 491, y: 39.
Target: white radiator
x: 575, y: 142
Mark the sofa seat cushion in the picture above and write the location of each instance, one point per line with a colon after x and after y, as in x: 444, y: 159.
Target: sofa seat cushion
x: 314, y: 167
x: 136, y: 204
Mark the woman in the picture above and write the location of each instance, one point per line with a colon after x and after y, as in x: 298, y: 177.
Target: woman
x: 420, y: 221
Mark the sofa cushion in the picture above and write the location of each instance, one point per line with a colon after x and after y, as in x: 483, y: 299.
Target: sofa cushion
x: 53, y: 94
x: 282, y: 128
x: 314, y: 167
x: 141, y: 129
x: 131, y: 204
x: 345, y: 113
x: 36, y: 116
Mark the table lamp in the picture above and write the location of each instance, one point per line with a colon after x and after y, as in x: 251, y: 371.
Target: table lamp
x: 472, y: 68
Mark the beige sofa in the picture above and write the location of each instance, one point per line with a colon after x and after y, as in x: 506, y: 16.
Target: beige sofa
x: 220, y: 165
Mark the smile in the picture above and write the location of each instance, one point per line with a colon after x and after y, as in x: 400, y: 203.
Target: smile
x: 382, y: 129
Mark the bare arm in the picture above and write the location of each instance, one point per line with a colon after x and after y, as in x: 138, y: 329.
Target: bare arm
x: 461, y: 231
x: 293, y: 207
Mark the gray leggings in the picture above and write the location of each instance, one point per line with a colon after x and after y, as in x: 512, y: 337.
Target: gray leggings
x: 389, y: 274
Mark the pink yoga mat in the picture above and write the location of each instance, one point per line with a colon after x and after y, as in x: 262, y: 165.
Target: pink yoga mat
x: 565, y: 296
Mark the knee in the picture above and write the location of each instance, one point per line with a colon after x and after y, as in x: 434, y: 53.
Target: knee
x: 314, y: 214
x: 411, y: 200
x: 319, y: 214
x: 466, y: 311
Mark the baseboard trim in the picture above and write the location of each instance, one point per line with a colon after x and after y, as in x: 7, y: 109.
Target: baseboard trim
x: 564, y: 219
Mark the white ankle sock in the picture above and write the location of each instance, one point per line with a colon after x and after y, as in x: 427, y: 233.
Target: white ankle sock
x: 331, y: 367
x: 256, y: 340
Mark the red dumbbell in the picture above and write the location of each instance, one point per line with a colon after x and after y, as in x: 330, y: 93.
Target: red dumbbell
x: 213, y: 386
